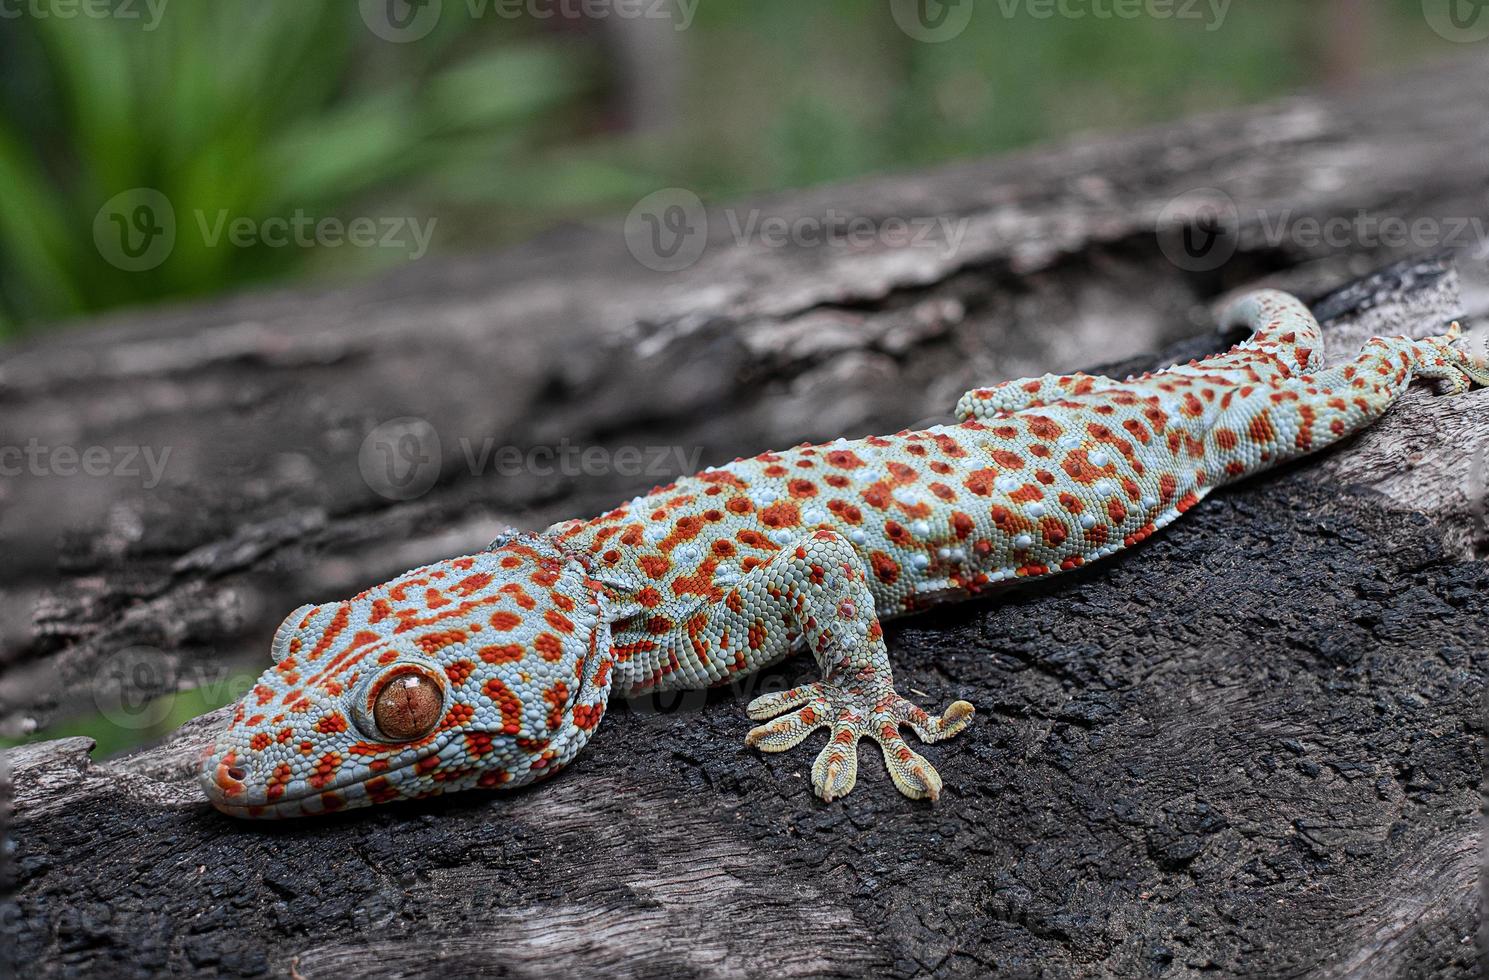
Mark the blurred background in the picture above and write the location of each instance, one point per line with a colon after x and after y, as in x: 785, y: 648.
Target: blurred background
x: 487, y: 121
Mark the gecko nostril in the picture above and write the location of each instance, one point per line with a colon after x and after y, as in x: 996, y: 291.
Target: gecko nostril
x: 236, y: 772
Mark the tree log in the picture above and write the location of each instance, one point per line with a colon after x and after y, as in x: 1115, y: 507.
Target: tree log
x: 1250, y: 745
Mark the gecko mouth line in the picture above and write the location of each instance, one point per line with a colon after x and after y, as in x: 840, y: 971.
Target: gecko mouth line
x: 295, y: 804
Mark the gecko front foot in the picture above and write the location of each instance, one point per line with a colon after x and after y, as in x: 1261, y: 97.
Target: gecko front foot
x: 863, y: 707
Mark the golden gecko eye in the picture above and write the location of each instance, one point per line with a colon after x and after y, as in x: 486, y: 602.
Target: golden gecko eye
x: 407, y: 706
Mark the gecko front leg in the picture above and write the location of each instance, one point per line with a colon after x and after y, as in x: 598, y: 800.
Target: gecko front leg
x: 819, y: 584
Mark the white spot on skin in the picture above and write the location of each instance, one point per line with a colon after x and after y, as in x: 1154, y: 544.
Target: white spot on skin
x: 920, y: 529
x: 1087, y: 521
x: 920, y: 561
x: 1023, y: 541
x: 1100, y: 459
x: 1006, y: 483
x: 1035, y: 510
x: 857, y: 536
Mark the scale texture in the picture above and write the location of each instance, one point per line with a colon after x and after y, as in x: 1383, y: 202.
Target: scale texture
x: 494, y: 669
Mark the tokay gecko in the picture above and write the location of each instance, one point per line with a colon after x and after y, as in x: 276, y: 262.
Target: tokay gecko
x: 494, y: 669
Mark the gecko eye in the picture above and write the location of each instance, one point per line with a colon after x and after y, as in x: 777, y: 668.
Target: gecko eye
x: 407, y: 706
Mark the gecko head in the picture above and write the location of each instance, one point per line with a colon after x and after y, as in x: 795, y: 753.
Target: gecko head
x: 490, y: 670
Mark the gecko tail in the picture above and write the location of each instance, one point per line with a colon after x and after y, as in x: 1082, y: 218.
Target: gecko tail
x: 1254, y: 310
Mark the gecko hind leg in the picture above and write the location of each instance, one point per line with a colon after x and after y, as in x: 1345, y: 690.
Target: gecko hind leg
x: 823, y: 580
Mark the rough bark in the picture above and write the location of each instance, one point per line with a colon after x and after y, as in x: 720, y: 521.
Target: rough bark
x: 1249, y: 746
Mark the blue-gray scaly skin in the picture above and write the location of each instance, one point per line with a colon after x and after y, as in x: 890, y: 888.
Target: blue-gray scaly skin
x: 494, y: 669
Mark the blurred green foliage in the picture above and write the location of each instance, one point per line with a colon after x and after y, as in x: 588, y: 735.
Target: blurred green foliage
x: 498, y: 126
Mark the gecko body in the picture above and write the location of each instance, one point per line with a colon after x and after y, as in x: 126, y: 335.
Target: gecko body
x: 494, y: 669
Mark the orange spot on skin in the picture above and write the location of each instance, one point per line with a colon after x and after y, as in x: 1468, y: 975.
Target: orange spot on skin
x: 503, y: 620
x: 981, y: 481
x: 549, y: 647
x: 432, y: 643
x: 506, y: 703
x: 504, y: 653
x: 1261, y: 429
x: 886, y: 569
x: 331, y: 723
x: 655, y: 566
x: 782, y: 514
x: 325, y: 770
x: 962, y: 524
